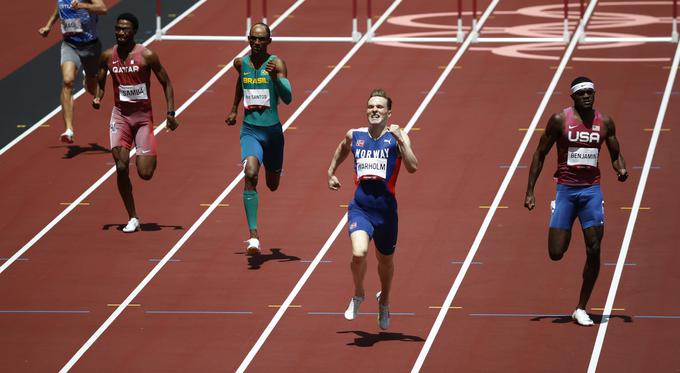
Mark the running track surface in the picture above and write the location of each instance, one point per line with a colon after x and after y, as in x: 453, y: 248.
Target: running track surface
x: 510, y: 311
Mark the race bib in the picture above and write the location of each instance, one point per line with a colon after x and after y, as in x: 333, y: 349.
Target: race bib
x: 372, y: 168
x: 256, y: 98
x: 582, y: 156
x: 132, y: 93
x: 71, y: 26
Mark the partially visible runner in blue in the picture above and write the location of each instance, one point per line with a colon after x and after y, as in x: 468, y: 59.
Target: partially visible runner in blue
x: 378, y: 152
x: 81, y: 48
x: 262, y: 81
x: 578, y: 131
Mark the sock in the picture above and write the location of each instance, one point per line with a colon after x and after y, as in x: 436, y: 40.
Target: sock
x: 250, y: 202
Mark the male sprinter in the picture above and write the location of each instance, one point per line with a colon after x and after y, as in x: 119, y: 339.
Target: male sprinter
x: 80, y: 47
x: 378, y: 152
x: 261, y: 82
x: 579, y: 131
x: 131, y: 121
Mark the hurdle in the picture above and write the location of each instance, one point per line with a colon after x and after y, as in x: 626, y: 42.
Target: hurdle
x: 457, y: 37
x: 352, y: 38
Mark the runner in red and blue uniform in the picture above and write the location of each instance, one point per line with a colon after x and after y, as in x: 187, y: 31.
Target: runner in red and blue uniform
x: 579, y: 131
x: 131, y: 123
x: 378, y: 152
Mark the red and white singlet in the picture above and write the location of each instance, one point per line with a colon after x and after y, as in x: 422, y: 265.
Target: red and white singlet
x: 578, y: 150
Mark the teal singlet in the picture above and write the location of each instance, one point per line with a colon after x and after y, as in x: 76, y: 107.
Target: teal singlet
x: 259, y: 95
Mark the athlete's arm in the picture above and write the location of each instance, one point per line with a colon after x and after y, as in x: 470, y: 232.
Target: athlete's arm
x: 93, y: 6
x: 101, y: 78
x: 279, y: 72
x: 238, y: 94
x: 155, y: 64
x: 612, y: 142
x: 341, y: 153
x: 45, y: 30
x: 553, y: 131
x: 410, y: 160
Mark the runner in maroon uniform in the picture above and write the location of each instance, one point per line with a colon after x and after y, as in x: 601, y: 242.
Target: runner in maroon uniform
x: 131, y: 122
x: 579, y: 131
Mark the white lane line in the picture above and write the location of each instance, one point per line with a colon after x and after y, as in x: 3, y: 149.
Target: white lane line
x: 602, y: 330
x: 324, y: 249
x: 501, y: 191
x: 110, y: 172
x: 82, y: 90
x: 218, y: 200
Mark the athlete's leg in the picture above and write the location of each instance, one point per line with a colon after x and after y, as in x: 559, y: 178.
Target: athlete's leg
x: 591, y: 216
x: 273, y: 179
x: 386, y: 272
x: 68, y: 76
x: 593, y: 238
x: 250, y: 198
x: 146, y: 165
x: 272, y: 156
x: 360, y: 240
x: 122, y: 158
x: 558, y: 242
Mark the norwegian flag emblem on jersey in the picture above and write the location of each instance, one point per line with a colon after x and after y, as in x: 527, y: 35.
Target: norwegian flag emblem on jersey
x: 360, y: 143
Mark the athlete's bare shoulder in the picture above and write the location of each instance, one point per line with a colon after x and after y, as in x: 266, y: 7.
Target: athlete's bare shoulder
x: 238, y: 62
x: 106, y: 55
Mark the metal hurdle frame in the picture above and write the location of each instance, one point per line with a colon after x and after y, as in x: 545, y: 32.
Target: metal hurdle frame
x: 458, y: 38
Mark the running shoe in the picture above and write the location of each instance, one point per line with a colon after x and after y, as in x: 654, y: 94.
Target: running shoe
x: 353, y: 309
x: 67, y: 136
x: 253, y: 246
x: 582, y: 318
x: 383, y: 314
x: 132, y: 226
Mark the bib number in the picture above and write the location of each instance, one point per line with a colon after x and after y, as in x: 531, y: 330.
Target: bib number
x: 71, y: 26
x: 256, y: 99
x: 582, y: 156
x: 372, y: 168
x: 132, y: 93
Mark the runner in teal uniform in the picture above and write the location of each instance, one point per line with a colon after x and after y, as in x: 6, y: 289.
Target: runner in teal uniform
x: 262, y: 81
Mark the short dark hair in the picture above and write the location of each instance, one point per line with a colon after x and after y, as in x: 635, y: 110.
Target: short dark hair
x: 129, y: 17
x: 266, y: 27
x: 379, y: 92
x: 580, y: 79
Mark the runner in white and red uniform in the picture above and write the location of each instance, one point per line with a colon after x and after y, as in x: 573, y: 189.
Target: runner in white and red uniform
x: 579, y: 132
x: 131, y: 121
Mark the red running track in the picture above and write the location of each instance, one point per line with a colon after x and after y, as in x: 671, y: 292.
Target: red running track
x: 465, y: 138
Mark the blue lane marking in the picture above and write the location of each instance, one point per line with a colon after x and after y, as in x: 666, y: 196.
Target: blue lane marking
x: 508, y: 166
x: 363, y: 313
x: 456, y: 262
x: 656, y: 317
x: 518, y: 315
x: 171, y: 260
x: 200, y: 312
x: 321, y: 261
x: 45, y: 311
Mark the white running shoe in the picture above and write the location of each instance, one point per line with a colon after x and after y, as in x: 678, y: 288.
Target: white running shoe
x: 253, y: 246
x: 353, y: 309
x: 582, y: 318
x: 67, y: 136
x: 383, y: 314
x: 132, y: 226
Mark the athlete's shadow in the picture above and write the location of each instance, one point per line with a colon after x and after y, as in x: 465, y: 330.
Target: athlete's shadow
x: 75, y: 150
x: 366, y: 339
x: 566, y: 319
x: 145, y: 227
x: 256, y: 261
